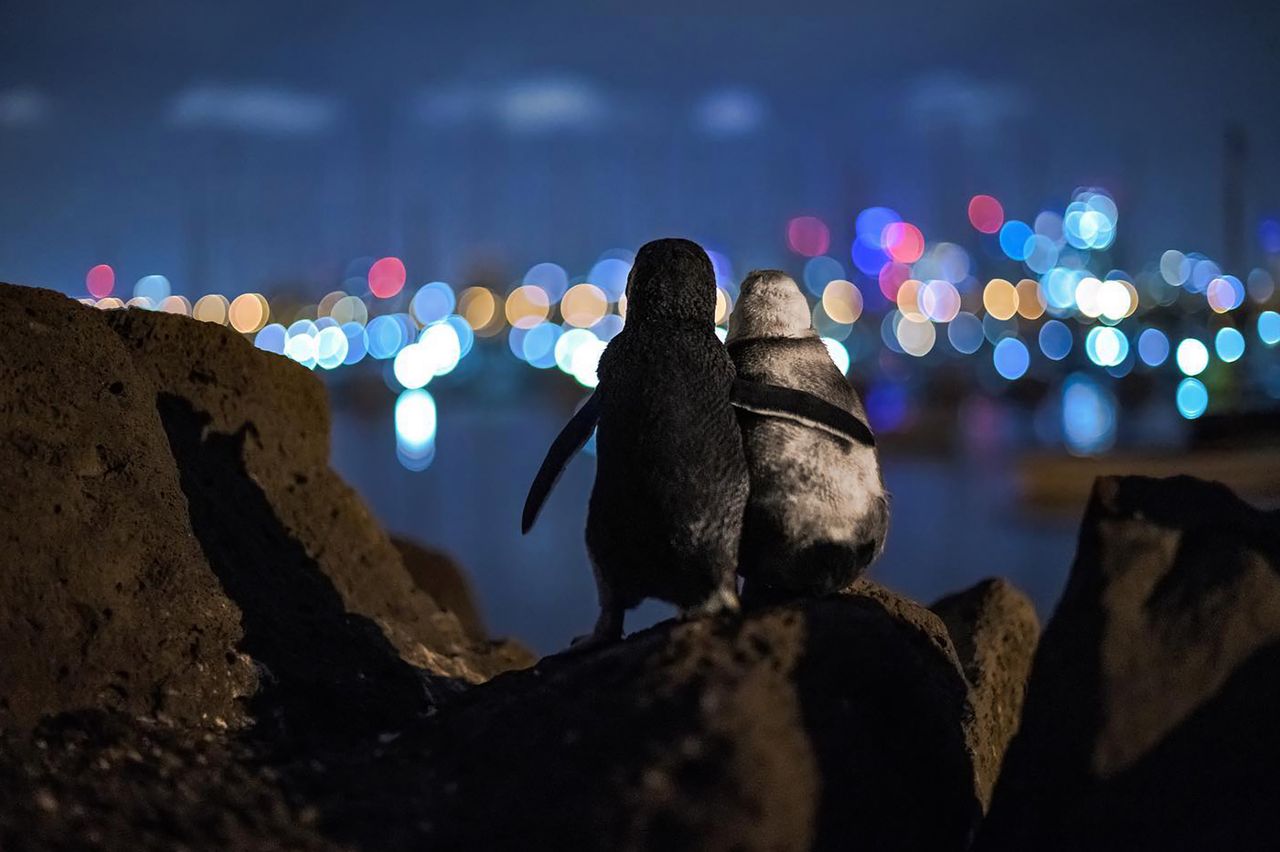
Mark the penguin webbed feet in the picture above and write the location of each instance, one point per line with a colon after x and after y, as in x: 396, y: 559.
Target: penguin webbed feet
x: 607, y: 630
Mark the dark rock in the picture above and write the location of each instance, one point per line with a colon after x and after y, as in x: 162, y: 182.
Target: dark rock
x: 827, y: 724
x: 1150, y: 718
x: 105, y: 598
x: 96, y: 780
x: 177, y: 544
x: 994, y: 629
x: 269, y: 417
x: 440, y: 577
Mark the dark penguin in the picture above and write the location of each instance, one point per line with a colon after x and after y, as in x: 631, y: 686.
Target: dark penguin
x: 818, y: 512
x: 665, y: 516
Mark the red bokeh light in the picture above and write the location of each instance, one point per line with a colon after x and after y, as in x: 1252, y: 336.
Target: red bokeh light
x: 808, y: 235
x: 891, y: 277
x: 985, y: 213
x: 903, y: 241
x: 100, y: 281
x: 386, y: 277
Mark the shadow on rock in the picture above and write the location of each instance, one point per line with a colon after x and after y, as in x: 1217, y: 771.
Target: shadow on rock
x: 323, y: 671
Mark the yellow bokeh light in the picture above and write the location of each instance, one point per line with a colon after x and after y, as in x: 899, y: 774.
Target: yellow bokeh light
x: 176, y: 305
x: 109, y: 303
x: 479, y: 306
x: 1030, y: 299
x: 842, y: 301
x: 211, y: 308
x: 1000, y: 298
x: 527, y: 305
x: 909, y: 300
x: 722, y: 306
x: 248, y: 312
x: 622, y: 306
x: 584, y: 305
x: 1133, y: 297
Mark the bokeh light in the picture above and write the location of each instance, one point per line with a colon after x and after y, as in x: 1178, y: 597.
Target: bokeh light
x: 153, y: 287
x: 903, y: 241
x: 1000, y: 298
x: 548, y: 277
x: 986, y: 214
x: 1055, y: 340
x: 1269, y: 327
x: 1192, y: 398
x: 432, y: 303
x: 1106, y: 346
x: 839, y: 355
x: 211, y: 308
x: 331, y: 347
x: 248, y: 312
x: 271, y: 338
x: 527, y: 305
x: 916, y: 336
x: 1031, y: 302
x: 939, y: 300
x: 965, y: 333
x: 1153, y: 347
x: 1229, y: 344
x: 1088, y: 415
x: 842, y: 301
x: 1192, y: 357
x: 584, y: 305
x: 386, y: 277
x: 808, y: 236
x: 1011, y: 358
x: 100, y: 281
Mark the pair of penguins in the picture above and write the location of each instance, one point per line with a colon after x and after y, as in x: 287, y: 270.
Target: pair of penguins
x: 713, y: 461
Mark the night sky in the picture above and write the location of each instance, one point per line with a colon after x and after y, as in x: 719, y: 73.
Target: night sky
x: 236, y: 146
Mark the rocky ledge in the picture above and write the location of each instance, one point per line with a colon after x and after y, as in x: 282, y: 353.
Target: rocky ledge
x: 208, y: 643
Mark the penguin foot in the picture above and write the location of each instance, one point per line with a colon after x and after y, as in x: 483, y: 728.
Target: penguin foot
x: 608, y: 630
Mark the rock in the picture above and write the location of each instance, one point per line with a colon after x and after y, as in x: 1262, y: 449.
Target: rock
x: 825, y: 724
x: 242, y: 414
x: 1150, y: 717
x: 105, y: 598
x: 97, y: 780
x: 440, y: 577
x: 994, y: 629
x: 176, y: 543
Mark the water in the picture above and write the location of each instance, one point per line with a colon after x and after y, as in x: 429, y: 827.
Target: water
x: 955, y: 520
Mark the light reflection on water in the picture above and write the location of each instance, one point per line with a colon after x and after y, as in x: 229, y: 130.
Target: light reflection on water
x: 954, y: 522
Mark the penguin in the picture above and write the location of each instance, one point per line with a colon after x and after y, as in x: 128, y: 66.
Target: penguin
x: 665, y: 514
x: 818, y: 512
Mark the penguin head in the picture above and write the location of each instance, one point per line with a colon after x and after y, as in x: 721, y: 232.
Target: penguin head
x: 671, y: 279
x: 770, y: 305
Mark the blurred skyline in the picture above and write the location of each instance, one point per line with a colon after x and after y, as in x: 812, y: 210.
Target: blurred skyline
x: 238, y: 146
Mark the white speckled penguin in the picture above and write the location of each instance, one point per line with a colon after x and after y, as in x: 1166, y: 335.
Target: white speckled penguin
x: 818, y: 512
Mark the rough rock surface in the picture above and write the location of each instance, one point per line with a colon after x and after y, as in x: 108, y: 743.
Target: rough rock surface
x: 823, y: 724
x: 1150, y: 718
x: 105, y: 598
x: 994, y: 629
x: 176, y: 543
x: 103, y: 781
x: 440, y: 577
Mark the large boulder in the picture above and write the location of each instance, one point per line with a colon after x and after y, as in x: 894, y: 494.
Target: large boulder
x: 994, y: 629
x: 827, y: 724
x: 444, y: 581
x: 177, y: 544
x: 105, y: 597
x: 1150, y: 718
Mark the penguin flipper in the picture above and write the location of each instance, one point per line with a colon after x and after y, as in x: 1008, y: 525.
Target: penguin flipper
x: 572, y: 437
x: 801, y: 406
